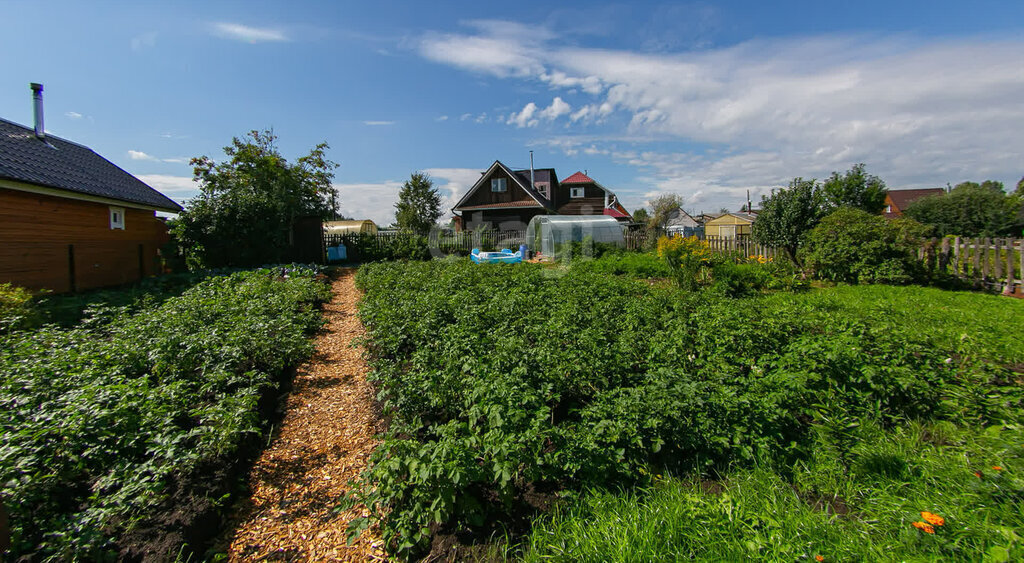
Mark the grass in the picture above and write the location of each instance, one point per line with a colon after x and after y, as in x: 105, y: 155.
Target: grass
x: 843, y: 508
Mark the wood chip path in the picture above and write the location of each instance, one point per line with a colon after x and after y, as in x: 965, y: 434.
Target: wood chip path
x: 325, y: 440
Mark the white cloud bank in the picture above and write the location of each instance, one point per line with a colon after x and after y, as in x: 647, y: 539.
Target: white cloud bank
x: 248, y: 34
x: 754, y: 115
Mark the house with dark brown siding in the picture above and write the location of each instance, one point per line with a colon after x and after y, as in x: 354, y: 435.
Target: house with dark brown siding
x: 506, y: 199
x: 69, y: 218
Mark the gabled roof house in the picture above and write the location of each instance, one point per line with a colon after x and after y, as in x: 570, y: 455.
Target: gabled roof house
x: 507, y: 199
x: 896, y: 201
x: 69, y: 218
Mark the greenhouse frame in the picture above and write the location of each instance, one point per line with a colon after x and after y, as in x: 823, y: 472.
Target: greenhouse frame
x: 548, y: 234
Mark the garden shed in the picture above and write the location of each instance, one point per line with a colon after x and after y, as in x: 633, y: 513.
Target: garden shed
x: 547, y: 234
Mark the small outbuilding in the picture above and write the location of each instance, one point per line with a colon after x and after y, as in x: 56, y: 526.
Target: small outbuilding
x: 548, y: 234
x: 729, y: 226
x: 350, y: 227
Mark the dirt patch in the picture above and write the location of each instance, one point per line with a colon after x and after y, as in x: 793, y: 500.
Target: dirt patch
x: 323, y: 444
x: 822, y: 503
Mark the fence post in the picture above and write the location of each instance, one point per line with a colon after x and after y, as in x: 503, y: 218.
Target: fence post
x: 984, y: 260
x: 976, y: 260
x: 1009, y: 267
x: 944, y: 255
x: 956, y: 256
x: 997, y: 265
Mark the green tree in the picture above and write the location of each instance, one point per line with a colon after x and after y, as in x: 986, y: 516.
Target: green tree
x: 787, y: 215
x: 641, y: 216
x: 856, y: 189
x: 662, y: 208
x: 419, y: 205
x: 249, y: 202
x: 970, y: 209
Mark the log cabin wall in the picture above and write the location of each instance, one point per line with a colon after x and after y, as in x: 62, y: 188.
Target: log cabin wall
x: 62, y: 244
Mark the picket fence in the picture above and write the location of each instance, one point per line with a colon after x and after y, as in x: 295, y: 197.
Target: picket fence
x: 995, y: 264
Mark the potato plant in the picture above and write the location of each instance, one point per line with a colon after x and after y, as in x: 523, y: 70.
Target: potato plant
x: 499, y: 380
x: 97, y: 420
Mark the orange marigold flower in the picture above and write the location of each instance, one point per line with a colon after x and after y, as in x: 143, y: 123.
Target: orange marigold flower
x: 933, y: 519
x: 997, y: 467
x: 926, y: 528
x: 818, y: 558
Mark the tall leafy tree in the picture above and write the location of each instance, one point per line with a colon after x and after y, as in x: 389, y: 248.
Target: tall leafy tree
x: 856, y: 189
x: 787, y: 215
x: 249, y: 202
x: 641, y: 216
x: 662, y: 208
x: 970, y: 209
x: 419, y: 204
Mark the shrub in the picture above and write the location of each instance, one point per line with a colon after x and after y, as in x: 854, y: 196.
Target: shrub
x: 15, y: 306
x: 853, y: 246
x: 686, y: 256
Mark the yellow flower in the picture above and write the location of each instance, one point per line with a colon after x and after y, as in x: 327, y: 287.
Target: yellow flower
x: 933, y: 519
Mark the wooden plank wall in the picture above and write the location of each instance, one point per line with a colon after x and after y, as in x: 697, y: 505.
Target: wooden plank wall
x: 61, y: 244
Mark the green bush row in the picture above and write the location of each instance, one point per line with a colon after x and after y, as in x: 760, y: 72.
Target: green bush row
x: 503, y: 379
x: 99, y: 419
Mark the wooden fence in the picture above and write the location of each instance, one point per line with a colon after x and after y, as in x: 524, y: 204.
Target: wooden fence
x: 995, y: 264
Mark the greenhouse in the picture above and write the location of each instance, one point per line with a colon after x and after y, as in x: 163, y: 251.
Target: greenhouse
x: 553, y: 235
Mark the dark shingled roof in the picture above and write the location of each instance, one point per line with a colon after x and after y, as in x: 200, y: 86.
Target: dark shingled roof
x: 58, y: 163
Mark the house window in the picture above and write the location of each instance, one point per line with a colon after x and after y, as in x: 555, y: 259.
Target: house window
x: 888, y: 209
x: 117, y: 218
x: 576, y: 192
x: 499, y: 185
x: 542, y: 187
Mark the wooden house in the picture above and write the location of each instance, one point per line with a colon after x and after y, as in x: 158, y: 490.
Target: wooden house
x: 729, y: 226
x: 681, y: 223
x: 896, y: 201
x: 69, y: 218
x: 506, y: 199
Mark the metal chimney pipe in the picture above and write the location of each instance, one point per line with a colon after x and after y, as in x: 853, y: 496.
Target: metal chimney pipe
x: 37, y: 107
x: 533, y: 183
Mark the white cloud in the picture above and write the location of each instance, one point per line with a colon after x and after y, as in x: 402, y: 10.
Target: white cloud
x: 753, y: 115
x: 465, y: 116
x: 376, y: 201
x: 441, y: 118
x: 374, y: 123
x: 73, y: 115
x: 248, y: 34
x: 139, y: 155
x: 557, y: 108
x: 524, y: 118
x: 481, y: 118
x: 178, y: 188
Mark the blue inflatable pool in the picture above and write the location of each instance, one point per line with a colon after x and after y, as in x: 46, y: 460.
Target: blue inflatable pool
x: 504, y: 256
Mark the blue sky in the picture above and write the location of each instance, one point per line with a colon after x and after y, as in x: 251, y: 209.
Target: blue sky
x: 706, y: 99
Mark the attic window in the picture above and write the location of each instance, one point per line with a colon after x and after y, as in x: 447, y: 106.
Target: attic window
x: 576, y: 192
x: 499, y: 185
x: 117, y: 218
x: 542, y: 187
x: 888, y: 209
